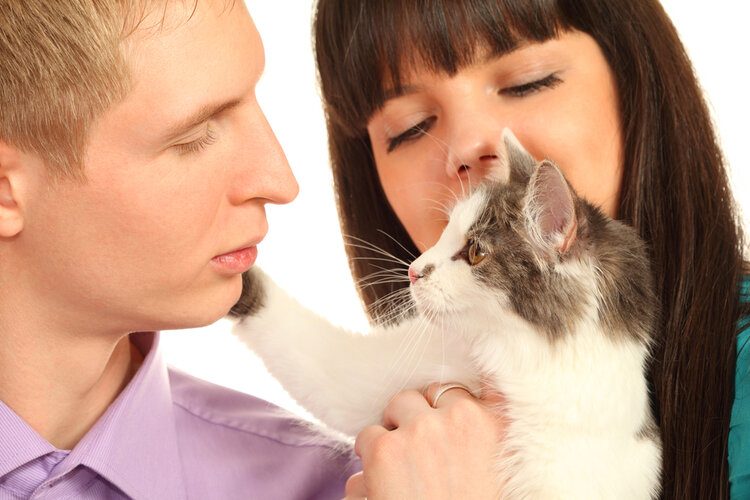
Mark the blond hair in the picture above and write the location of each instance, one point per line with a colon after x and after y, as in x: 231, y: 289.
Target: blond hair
x: 61, y: 67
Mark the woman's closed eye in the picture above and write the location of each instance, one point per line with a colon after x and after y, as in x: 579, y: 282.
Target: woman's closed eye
x: 549, y: 81
x: 192, y: 147
x: 411, y: 133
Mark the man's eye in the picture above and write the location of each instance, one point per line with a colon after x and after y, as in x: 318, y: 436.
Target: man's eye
x: 411, y: 133
x: 197, y: 145
x: 550, y: 81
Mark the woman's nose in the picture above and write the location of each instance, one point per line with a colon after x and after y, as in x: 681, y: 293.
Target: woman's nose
x: 475, y: 145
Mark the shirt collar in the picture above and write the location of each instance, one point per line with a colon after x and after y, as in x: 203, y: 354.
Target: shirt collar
x: 19, y: 443
x: 133, y: 445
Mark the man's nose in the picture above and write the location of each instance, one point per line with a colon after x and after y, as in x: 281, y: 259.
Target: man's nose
x: 264, y: 171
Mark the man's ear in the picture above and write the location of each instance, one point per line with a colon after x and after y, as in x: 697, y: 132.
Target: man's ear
x: 11, y: 182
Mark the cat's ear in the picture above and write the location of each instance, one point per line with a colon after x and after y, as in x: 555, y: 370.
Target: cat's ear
x: 515, y: 162
x: 549, y: 207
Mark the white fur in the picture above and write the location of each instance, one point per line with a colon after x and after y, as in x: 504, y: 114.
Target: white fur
x: 575, y: 405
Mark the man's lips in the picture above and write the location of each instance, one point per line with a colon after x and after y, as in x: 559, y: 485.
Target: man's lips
x: 236, y: 261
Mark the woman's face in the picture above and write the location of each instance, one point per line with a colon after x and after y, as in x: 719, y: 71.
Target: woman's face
x: 443, y: 133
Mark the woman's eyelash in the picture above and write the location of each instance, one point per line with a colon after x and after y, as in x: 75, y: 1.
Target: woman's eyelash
x: 411, y: 133
x: 549, y: 81
x: 198, y: 144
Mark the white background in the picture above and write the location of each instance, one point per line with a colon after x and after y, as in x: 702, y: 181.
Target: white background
x: 304, y: 250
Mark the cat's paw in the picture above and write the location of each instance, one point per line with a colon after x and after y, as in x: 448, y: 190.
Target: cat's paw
x: 253, y: 296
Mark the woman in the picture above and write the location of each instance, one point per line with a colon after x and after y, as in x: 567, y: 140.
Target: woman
x: 416, y: 95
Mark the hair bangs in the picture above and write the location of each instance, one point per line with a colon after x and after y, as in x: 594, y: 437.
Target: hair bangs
x: 442, y: 36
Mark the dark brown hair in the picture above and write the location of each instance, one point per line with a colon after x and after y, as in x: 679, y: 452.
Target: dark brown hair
x: 674, y: 188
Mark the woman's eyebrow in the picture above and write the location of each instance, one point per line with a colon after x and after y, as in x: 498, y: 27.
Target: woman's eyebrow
x: 393, y: 93
x: 202, y: 114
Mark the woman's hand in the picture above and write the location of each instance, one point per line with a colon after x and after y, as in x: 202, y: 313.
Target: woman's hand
x: 423, y: 452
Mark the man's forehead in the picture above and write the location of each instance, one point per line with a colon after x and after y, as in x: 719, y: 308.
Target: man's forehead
x: 142, y: 18
x: 184, y: 74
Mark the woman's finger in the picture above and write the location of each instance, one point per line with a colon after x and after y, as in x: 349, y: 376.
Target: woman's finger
x: 404, y: 407
x: 442, y: 395
x: 355, y: 487
x: 366, y: 437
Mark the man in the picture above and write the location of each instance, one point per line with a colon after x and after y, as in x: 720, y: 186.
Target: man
x: 135, y: 164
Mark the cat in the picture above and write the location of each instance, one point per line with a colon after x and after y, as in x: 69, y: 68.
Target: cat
x: 529, y: 289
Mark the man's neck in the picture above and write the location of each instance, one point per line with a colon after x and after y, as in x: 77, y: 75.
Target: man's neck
x: 60, y: 385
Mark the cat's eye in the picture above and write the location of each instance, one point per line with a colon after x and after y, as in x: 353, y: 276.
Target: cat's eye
x: 476, y: 253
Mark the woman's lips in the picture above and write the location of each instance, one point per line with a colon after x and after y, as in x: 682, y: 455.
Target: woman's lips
x: 237, y: 261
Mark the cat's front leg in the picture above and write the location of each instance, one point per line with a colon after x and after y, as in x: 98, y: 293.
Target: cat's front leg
x: 343, y: 378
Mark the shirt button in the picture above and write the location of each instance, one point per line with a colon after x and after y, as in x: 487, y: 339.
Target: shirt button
x: 52, y: 484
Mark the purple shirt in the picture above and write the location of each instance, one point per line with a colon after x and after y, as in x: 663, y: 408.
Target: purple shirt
x: 171, y: 436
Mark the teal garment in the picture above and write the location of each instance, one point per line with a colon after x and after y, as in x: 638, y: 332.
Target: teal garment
x: 739, y: 425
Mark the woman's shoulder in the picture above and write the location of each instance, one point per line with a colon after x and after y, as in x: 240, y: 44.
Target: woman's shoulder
x: 253, y: 445
x: 739, y: 429
x: 743, y: 342
x: 743, y: 326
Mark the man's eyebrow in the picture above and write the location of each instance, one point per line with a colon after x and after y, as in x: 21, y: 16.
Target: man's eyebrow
x: 202, y: 114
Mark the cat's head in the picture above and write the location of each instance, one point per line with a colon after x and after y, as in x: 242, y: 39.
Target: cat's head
x: 521, y: 243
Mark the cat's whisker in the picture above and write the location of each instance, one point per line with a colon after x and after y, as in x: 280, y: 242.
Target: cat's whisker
x: 405, y: 351
x: 441, y: 211
x: 456, y: 198
x: 405, y: 358
x: 461, y: 183
x: 389, y: 257
x: 438, y: 206
x: 366, y: 245
x: 397, y: 275
x: 398, y: 300
x: 381, y: 275
x: 402, y: 312
x: 446, y: 148
x: 398, y: 243
x: 442, y: 350
x: 376, y: 259
x: 383, y: 281
x: 399, y: 311
x: 391, y: 295
x: 397, y: 270
x: 416, y: 363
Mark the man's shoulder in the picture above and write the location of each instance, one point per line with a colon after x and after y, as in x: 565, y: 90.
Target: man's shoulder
x: 231, y: 442
x: 205, y: 405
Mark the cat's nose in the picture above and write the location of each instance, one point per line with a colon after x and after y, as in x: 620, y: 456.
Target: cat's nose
x: 413, y: 276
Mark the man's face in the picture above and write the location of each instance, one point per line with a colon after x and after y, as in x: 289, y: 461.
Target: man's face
x: 178, y: 173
